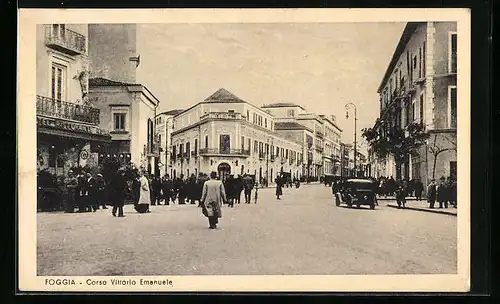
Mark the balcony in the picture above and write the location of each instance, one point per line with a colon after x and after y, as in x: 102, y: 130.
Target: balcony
x: 62, y: 109
x: 272, y: 158
x: 65, y: 40
x: 221, y: 115
x: 262, y: 155
x: 319, y: 134
x: 232, y: 152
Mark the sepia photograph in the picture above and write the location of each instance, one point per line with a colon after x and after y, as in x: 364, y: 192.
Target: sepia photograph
x: 256, y: 148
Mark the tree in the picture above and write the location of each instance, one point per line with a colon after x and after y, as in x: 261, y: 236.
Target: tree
x: 435, y: 150
x: 398, y: 142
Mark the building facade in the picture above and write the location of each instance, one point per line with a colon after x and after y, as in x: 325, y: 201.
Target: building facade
x: 319, y: 135
x: 128, y: 111
x: 164, y: 124
x: 230, y: 136
x: 420, y: 86
x: 68, y: 132
x: 128, y: 107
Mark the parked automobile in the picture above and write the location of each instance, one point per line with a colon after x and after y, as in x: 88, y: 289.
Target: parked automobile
x: 358, y: 191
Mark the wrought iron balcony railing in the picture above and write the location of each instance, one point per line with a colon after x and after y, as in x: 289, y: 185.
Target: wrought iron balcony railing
x: 65, y: 40
x: 66, y: 110
x: 207, y: 151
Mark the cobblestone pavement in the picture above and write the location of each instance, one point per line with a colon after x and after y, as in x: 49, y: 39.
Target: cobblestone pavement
x: 304, y: 233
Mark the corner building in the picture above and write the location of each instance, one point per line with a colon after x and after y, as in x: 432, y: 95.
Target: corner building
x: 231, y: 136
x: 68, y: 131
x: 420, y: 86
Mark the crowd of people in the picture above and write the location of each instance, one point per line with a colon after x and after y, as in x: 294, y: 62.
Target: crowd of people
x: 88, y: 191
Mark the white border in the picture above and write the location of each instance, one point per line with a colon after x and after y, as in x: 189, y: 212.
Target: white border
x: 28, y: 18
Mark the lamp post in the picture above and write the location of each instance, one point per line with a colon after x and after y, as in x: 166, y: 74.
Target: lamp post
x: 347, y: 107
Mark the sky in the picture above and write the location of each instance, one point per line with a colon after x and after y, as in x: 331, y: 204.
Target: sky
x: 321, y: 66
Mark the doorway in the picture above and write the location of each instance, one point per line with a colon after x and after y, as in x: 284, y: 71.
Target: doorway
x: 223, y: 170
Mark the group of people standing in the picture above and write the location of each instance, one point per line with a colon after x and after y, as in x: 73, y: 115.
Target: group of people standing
x: 86, y: 191
x: 444, y: 192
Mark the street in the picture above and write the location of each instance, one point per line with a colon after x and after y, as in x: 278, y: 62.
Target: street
x: 304, y: 233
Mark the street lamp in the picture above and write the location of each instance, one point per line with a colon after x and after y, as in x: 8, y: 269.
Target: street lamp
x: 347, y: 107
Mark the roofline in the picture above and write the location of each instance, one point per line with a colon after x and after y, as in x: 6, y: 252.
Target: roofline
x: 165, y: 112
x: 131, y: 87
x: 275, y: 106
x: 403, y: 41
x: 152, y: 97
x: 303, y: 128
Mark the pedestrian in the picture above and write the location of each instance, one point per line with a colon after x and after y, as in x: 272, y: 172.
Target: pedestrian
x: 136, y: 186
x: 181, y: 190
x: 71, y: 183
x: 101, y: 191
x: 211, y: 199
x: 118, y: 187
x: 431, y: 194
x: 441, y: 193
x: 419, y: 188
x: 256, y: 193
x: 247, y: 187
x: 279, y: 186
x: 453, y: 193
x: 401, y: 194
x: 145, y: 197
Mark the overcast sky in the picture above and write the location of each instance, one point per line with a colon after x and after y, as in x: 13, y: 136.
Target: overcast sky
x: 321, y: 66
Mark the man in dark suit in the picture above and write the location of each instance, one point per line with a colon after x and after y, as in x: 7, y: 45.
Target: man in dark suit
x: 431, y: 194
x: 118, y: 187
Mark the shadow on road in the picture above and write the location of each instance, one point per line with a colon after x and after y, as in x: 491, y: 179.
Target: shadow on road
x: 356, y: 208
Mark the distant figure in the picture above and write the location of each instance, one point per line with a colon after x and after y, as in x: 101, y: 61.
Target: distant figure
x: 279, y: 186
x: 419, y: 188
x: 248, y: 185
x: 144, y: 198
x: 118, y: 188
x: 212, y: 198
x: 442, y: 193
x: 431, y: 194
x: 256, y: 193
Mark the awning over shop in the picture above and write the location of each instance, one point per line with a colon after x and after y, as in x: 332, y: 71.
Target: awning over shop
x: 70, y: 129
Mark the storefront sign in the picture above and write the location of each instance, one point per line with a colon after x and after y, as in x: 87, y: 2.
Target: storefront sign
x: 69, y: 126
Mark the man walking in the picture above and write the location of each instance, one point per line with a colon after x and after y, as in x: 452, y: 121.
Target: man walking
x: 211, y: 199
x: 442, y: 193
x: 419, y: 188
x: 248, y: 185
x: 431, y: 194
x: 118, y: 188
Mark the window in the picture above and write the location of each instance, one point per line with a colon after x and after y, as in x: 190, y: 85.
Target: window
x: 419, y: 62
x: 255, y: 147
x: 196, y: 146
x: 423, y: 60
x: 174, y: 150
x: 414, y: 62
x: 396, y: 79
x: 452, y: 59
x: 277, y: 151
x: 249, y: 143
x: 243, y: 143
x: 58, y: 82
x: 59, y: 30
x: 421, y: 108
x: 452, y: 106
x: 188, y: 148
x: 206, y: 142
x: 230, y: 111
x: 291, y: 113
x: 286, y: 153
x: 248, y: 115
x: 265, y: 123
x: 119, y: 121
x: 453, y: 169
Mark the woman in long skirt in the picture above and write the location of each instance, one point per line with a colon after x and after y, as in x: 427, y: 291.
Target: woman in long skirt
x: 144, y: 197
x: 279, y: 185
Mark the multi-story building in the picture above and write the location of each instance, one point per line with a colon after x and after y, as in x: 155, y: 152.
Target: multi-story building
x: 319, y: 135
x: 68, y: 132
x: 128, y: 107
x: 419, y: 85
x: 128, y: 111
x: 164, y: 124
x: 226, y: 134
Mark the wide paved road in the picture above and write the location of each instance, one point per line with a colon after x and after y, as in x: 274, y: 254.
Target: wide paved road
x: 304, y: 233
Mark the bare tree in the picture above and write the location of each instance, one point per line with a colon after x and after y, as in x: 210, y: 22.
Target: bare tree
x: 436, y: 150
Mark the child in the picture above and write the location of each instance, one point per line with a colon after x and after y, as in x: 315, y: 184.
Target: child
x: 256, y: 191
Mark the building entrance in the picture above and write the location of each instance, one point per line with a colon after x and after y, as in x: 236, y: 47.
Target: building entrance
x: 223, y: 170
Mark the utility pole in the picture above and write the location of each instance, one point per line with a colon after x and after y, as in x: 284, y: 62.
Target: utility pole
x: 347, y: 106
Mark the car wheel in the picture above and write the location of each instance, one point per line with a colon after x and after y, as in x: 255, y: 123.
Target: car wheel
x: 372, y: 206
x: 358, y: 206
x: 337, y: 203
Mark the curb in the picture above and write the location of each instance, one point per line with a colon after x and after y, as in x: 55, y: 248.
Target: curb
x: 424, y: 210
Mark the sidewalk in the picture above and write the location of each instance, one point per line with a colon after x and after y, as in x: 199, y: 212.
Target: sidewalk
x: 424, y: 206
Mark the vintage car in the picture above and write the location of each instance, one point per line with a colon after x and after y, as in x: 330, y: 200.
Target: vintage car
x: 358, y: 191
